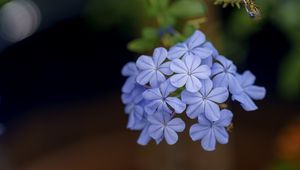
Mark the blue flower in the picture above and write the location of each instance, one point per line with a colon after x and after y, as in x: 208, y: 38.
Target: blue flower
x: 191, y: 47
x: 209, y: 131
x: 224, y: 75
x: 209, y: 60
x: 136, y: 116
x: 135, y: 96
x: 189, y: 72
x: 153, y: 69
x: 206, y: 101
x: 249, y: 92
x: 159, y: 100
x: 162, y: 126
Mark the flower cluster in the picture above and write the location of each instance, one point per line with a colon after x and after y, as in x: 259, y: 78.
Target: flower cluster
x: 190, y: 77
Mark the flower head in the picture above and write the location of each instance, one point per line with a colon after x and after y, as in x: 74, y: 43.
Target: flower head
x: 211, y: 131
x: 189, y: 71
x: 163, y: 127
x: 153, y: 69
x: 206, y: 101
x: 160, y: 101
x: 224, y: 75
x: 191, y: 47
x: 250, y: 91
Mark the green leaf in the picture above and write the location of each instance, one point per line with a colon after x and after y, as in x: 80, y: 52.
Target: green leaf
x: 149, y: 33
x: 185, y: 8
x: 141, y: 45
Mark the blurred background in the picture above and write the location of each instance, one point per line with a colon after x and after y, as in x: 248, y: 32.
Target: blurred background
x: 60, y: 106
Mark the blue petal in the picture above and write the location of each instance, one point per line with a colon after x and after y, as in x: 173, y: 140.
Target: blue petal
x: 210, y: 46
x: 191, y: 98
x: 197, y: 131
x: 178, y: 66
x: 156, y: 131
x: 246, y: 102
x: 224, y: 61
x: 152, y: 94
x: 171, y: 136
x: 176, y: 104
x: 192, y: 62
x: 204, y: 121
x: 176, y: 124
x: 179, y: 80
x: 166, y: 88
x: 202, y: 52
x: 221, y: 134
x: 209, y: 141
x: 194, y: 110
x: 165, y: 68
x: 202, y: 72
x: 256, y: 92
x: 234, y: 85
x: 159, y: 56
x: 177, y: 51
x: 144, y: 76
x: 218, y: 95
x: 144, y: 137
x: 212, y: 111
x: 145, y: 63
x: 247, y: 79
x: 153, y: 107
x: 129, y: 84
x: 221, y: 80
x: 129, y: 69
x: 156, y: 79
x: 226, y: 118
x: 196, y: 39
x: 207, y: 86
x: 193, y: 84
x: 217, y: 68
x: 207, y: 61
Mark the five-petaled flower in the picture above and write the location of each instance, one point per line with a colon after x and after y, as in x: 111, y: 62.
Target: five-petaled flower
x: 191, y: 47
x: 160, y: 101
x: 163, y: 126
x: 249, y: 92
x: 211, y: 131
x: 224, y: 74
x: 153, y: 69
x: 205, y: 101
x: 189, y: 71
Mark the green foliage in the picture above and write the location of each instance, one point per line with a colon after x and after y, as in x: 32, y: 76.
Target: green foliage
x: 167, y: 13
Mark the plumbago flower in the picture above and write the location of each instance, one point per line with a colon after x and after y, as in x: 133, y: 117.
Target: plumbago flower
x: 191, y: 77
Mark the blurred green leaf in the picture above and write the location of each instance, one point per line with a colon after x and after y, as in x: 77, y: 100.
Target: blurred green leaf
x: 149, y: 33
x: 141, y: 45
x: 187, y: 8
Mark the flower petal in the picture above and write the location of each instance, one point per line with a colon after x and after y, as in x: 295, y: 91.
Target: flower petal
x: 196, y: 39
x: 177, y: 51
x: 221, y: 80
x: 198, y: 131
x: 206, y: 88
x: 212, y: 111
x: 159, y: 56
x: 156, y: 131
x: 217, y: 68
x: 145, y: 63
x: 153, y: 107
x: 179, y: 80
x: 152, y: 94
x: 256, y: 92
x: 144, y: 137
x: 144, y: 77
x: 204, y: 121
x: 176, y: 104
x: 247, y: 79
x: 193, y: 84
x: 221, y: 134
x: 192, y: 62
x: 165, y: 68
x: 178, y: 66
x: 207, y: 61
x: 234, y: 85
x: 224, y: 61
x: 209, y: 141
x: 246, y: 102
x: 191, y: 98
x: 218, y: 95
x: 170, y: 136
x: 176, y: 124
x: 166, y: 88
x: 194, y: 110
x: 129, y: 84
x: 210, y: 46
x: 202, y: 52
x: 129, y: 69
x: 202, y: 72
x: 226, y: 118
x: 156, y: 79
